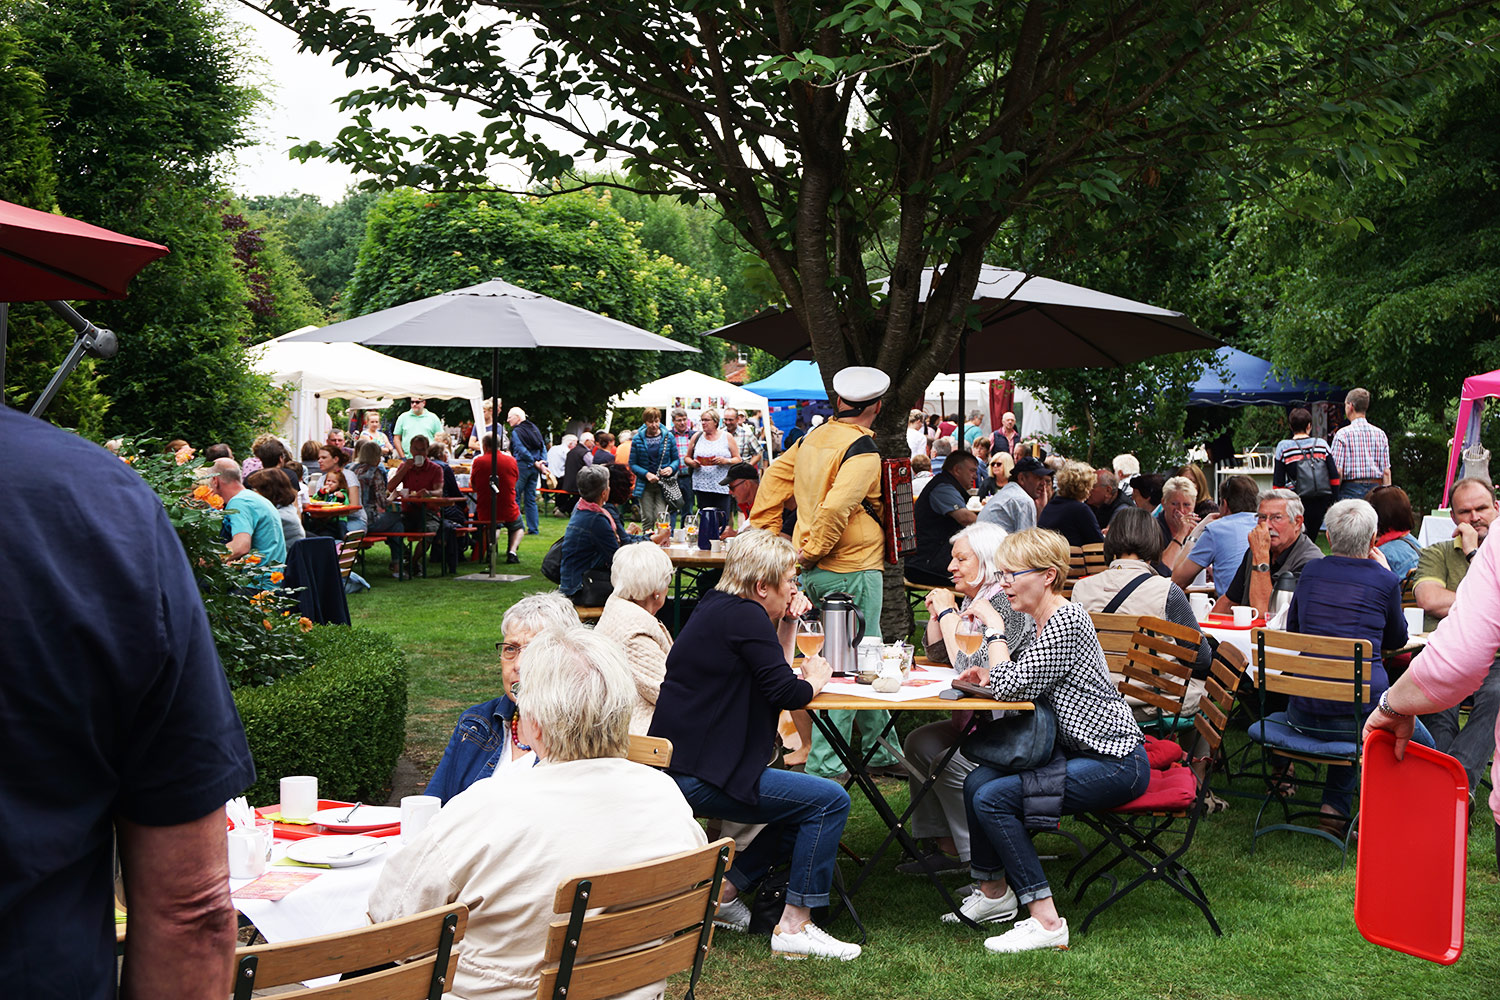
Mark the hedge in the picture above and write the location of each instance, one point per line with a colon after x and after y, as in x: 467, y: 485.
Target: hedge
x: 343, y: 718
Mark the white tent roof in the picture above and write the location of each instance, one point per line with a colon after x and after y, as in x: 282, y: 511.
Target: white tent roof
x: 690, y: 385
x: 349, y: 370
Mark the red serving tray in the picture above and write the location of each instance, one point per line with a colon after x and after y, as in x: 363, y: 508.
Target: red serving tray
x: 1413, y: 850
x: 294, y: 831
x: 1227, y: 621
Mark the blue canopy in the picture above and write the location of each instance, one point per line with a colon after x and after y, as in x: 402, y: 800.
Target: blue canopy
x: 796, y: 380
x: 1250, y: 383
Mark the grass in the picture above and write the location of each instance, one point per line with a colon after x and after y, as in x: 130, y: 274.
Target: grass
x: 1286, y: 911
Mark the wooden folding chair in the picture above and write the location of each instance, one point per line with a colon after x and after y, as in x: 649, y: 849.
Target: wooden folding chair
x: 1154, y: 831
x: 349, y: 551
x: 1115, y: 633
x: 655, y: 751
x: 1309, y: 666
x: 426, y: 944
x: 1157, y: 671
x: 648, y: 921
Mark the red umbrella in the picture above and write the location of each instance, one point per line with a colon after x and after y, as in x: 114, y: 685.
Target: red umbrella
x: 45, y: 256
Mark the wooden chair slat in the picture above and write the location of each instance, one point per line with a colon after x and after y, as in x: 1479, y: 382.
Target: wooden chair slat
x: 1309, y: 687
x: 1212, y: 734
x: 1157, y: 627
x: 647, y: 880
x: 1314, y: 666
x: 1152, y: 697
x: 1316, y: 645
x: 1143, y: 664
x: 404, y: 982
x: 611, y: 976
x: 654, y: 751
x: 607, y: 932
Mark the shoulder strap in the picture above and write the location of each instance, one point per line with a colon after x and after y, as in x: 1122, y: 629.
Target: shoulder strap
x: 1125, y: 592
x: 864, y: 445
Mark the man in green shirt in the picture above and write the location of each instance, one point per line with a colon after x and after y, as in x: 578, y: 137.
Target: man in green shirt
x: 1440, y: 569
x: 413, y: 422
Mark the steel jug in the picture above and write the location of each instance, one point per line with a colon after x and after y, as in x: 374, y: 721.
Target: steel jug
x: 843, y: 628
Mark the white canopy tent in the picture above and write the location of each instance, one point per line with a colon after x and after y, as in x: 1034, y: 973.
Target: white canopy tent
x: 695, y: 392
x: 319, y: 372
x: 942, y: 396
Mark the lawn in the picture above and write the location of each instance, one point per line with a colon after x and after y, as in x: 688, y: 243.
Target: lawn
x: 1287, y: 911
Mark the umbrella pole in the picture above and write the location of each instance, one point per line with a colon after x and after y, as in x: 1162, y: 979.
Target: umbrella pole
x: 494, y: 468
x: 963, y: 364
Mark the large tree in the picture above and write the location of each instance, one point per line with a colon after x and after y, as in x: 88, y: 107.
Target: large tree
x: 846, y: 140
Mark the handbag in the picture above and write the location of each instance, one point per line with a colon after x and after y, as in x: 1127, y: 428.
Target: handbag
x: 671, y: 492
x: 1015, y: 743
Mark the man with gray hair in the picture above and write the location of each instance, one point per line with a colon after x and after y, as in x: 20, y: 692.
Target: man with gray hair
x: 249, y: 519
x: 503, y: 845
x: 744, y: 436
x: 1277, y: 553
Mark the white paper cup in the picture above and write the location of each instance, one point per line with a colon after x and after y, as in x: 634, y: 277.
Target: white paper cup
x: 1414, y: 620
x: 247, y: 853
x: 717, y: 545
x: 299, y: 796
x: 1201, y: 605
x: 416, y: 812
x: 1243, y: 615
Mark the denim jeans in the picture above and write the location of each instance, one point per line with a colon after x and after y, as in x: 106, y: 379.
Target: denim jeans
x: 806, y: 817
x: 526, y: 485
x: 1000, y: 842
x: 1339, y: 793
x: 1356, y: 491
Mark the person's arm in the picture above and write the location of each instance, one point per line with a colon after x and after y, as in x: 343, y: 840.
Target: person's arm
x: 775, y: 490
x: 1395, y: 635
x: 1258, y: 583
x: 691, y: 461
x: 1180, y: 611
x: 671, y: 462
x: 963, y: 516
x: 648, y: 665
x: 734, y: 449
x: 352, y: 482
x: 1186, y: 571
x: 401, y: 471
x: 182, y: 924
x: 1041, y: 664
x: 239, y: 545
x: 1431, y: 589
x: 1278, y: 470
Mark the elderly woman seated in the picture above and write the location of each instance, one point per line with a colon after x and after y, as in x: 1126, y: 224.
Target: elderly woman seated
x: 640, y: 576
x: 594, y: 533
x: 1099, y: 760
x: 486, y: 739
x: 504, y: 845
x: 728, y: 678
x: 940, y: 816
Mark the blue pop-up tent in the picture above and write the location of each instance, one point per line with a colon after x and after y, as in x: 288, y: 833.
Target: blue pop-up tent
x: 796, y: 382
x: 1235, y: 378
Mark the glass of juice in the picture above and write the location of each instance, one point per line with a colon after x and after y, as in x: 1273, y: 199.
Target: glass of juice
x: 970, y: 636
x: 809, y: 637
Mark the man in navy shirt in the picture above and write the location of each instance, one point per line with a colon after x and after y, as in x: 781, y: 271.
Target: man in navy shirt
x: 115, y: 722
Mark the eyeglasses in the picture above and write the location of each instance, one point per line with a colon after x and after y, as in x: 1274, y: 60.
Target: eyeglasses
x: 997, y: 465
x: 1273, y: 518
x: 1006, y: 576
x: 510, y: 650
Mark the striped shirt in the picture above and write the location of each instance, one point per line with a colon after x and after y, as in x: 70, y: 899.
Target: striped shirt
x: 1361, y: 451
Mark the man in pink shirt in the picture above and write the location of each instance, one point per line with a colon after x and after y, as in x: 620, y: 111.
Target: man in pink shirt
x: 1453, y: 665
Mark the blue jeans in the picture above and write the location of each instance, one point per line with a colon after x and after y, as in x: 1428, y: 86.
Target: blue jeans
x: 806, y: 817
x: 999, y: 841
x: 1356, y: 491
x: 526, y: 484
x: 1338, y: 792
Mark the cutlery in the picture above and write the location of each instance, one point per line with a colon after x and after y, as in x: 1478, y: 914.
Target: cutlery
x: 350, y: 812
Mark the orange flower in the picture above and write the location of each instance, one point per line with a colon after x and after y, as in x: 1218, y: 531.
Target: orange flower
x: 267, y: 623
x: 305, y: 624
x: 286, y: 614
x: 128, y: 459
x: 184, y: 454
x: 277, y: 577
x: 202, y: 493
x: 260, y: 597
x: 252, y: 560
x: 215, y: 501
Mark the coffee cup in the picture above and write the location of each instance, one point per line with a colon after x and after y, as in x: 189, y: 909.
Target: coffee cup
x: 416, y: 812
x: 299, y: 796
x: 1415, y: 620
x: 1201, y: 605
x: 1243, y: 615
x: 247, y: 853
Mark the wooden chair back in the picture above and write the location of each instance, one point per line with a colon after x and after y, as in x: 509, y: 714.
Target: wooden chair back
x: 1158, y: 667
x: 648, y: 921
x: 1224, y: 675
x: 1313, y: 666
x: 1115, y: 634
x: 654, y: 751
x: 349, y: 551
x: 1408, y: 589
x: 426, y: 943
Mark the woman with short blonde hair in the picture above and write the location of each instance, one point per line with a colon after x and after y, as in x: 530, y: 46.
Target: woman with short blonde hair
x: 579, y: 702
x: 755, y: 557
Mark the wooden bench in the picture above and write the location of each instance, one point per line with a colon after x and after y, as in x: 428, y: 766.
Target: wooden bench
x: 400, y: 551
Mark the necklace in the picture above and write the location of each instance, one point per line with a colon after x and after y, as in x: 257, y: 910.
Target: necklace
x: 515, y: 734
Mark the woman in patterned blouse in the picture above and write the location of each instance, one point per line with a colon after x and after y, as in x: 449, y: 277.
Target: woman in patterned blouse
x: 1106, y: 764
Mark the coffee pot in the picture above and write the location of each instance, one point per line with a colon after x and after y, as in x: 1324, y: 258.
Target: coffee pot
x: 710, y: 523
x: 843, y: 628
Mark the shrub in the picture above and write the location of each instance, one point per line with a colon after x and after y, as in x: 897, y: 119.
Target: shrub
x: 1418, y: 464
x: 342, y: 719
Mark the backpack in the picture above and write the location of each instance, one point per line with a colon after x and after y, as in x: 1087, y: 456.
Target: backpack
x: 1310, y: 473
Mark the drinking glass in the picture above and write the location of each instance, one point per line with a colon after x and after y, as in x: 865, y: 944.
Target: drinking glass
x: 970, y: 636
x: 809, y: 637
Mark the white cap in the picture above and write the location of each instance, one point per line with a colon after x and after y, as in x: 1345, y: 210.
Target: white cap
x: 860, y: 384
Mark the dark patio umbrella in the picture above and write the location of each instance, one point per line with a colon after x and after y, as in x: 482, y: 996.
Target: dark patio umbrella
x: 1024, y: 322
x: 49, y: 258
x: 494, y: 314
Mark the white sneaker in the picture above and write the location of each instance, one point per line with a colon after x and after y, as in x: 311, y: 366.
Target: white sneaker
x: 1028, y: 935
x: 811, y: 940
x: 733, y: 915
x: 983, y: 910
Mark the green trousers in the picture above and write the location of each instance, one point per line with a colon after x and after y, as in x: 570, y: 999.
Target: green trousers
x: 866, y: 588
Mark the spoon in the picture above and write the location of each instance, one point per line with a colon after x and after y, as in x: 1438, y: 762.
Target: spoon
x: 350, y: 812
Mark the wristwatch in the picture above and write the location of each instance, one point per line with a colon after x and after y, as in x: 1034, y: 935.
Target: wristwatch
x: 1385, y: 706
x: 1260, y: 567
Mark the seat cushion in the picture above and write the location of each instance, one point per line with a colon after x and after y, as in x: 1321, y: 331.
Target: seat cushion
x: 1163, y: 753
x: 1273, y: 731
x: 1171, y: 789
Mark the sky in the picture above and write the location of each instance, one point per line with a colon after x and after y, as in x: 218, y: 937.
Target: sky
x: 300, y: 90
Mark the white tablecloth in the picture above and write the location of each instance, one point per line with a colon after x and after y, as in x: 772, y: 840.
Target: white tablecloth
x: 1435, y: 528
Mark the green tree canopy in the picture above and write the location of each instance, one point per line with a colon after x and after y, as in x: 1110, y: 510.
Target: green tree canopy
x: 575, y: 248
x: 324, y: 240
x: 834, y: 135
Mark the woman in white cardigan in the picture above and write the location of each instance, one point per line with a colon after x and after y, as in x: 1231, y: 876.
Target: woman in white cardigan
x: 640, y: 575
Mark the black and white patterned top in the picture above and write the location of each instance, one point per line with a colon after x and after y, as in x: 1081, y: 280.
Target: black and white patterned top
x: 1020, y: 630
x: 1065, y: 667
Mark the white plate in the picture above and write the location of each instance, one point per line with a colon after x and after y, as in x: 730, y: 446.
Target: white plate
x: 334, y: 851
x: 364, y: 818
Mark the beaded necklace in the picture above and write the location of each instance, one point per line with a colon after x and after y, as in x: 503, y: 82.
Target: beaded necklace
x: 515, y: 734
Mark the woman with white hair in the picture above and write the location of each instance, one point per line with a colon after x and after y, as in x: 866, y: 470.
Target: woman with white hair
x: 729, y: 676
x: 503, y: 846
x: 940, y: 816
x: 1352, y: 594
x: 486, y: 738
x: 640, y: 576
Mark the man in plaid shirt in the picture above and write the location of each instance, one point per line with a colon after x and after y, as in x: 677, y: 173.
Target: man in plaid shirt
x: 1360, y: 450
x: 744, y: 436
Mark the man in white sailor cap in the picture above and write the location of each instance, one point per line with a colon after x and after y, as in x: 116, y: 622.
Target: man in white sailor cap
x: 832, y: 474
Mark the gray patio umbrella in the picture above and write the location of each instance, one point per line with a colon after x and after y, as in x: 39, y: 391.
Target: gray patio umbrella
x: 1025, y: 321
x: 495, y: 314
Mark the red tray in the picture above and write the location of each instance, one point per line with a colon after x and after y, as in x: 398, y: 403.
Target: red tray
x: 294, y: 831
x: 1215, y: 620
x: 1413, y: 850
